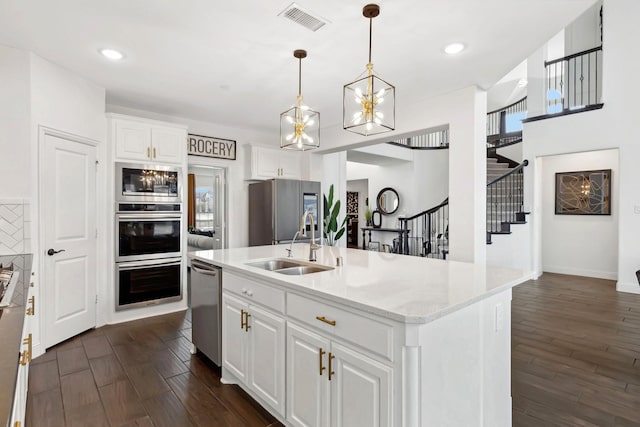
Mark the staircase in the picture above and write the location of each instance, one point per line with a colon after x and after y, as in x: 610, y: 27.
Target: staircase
x: 504, y: 195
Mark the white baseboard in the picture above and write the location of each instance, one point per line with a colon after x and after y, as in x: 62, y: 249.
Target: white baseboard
x: 632, y: 288
x: 609, y: 275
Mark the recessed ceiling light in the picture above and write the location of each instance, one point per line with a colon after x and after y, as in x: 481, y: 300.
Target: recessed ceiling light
x: 112, y: 54
x: 522, y: 82
x: 454, y: 48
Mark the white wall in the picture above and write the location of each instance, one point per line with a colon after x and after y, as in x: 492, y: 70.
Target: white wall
x: 611, y: 127
x: 237, y: 170
x: 15, y: 134
x: 582, y: 245
x: 583, y: 33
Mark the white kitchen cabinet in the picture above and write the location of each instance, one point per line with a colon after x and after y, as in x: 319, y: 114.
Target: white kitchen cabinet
x: 329, y: 384
x: 267, y: 163
x: 148, y: 141
x: 254, y: 348
x: 26, y: 353
x: 307, y: 382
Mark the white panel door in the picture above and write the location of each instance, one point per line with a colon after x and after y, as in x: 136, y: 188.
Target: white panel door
x: 360, y: 390
x: 267, y: 357
x: 133, y: 140
x: 168, y: 145
x: 235, y: 340
x: 68, y: 207
x: 307, y: 380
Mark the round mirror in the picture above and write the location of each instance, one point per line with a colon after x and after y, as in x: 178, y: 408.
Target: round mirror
x: 388, y: 201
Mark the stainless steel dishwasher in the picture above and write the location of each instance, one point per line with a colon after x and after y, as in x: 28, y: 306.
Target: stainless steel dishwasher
x: 206, y: 313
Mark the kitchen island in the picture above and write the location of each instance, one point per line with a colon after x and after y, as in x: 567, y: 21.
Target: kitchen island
x: 383, y: 340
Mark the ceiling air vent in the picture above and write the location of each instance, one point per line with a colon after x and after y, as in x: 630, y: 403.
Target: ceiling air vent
x: 302, y: 17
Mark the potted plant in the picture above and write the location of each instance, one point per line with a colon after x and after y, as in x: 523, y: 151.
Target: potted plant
x: 368, y: 215
x: 330, y: 231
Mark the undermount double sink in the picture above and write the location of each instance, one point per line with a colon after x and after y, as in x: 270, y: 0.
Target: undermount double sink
x: 289, y: 267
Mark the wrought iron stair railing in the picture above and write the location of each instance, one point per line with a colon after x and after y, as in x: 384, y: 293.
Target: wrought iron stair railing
x: 505, y: 201
x: 498, y: 134
x: 426, y: 234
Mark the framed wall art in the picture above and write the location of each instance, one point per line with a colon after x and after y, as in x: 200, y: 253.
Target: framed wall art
x: 583, y: 193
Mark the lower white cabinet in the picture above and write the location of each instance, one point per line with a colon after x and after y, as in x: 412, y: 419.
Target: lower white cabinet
x: 254, y: 349
x: 329, y: 384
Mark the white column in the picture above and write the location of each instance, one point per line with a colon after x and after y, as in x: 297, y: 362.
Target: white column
x: 468, y: 177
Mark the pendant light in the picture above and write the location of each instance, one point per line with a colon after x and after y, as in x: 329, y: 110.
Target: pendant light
x: 368, y: 103
x: 300, y: 125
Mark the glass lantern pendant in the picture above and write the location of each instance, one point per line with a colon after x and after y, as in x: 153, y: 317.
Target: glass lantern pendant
x: 300, y: 125
x: 368, y: 104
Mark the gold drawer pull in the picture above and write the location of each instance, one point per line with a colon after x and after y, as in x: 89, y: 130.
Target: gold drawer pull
x: 246, y: 322
x: 25, y: 356
x: 154, y: 153
x: 29, y: 343
x: 149, y: 152
x: 322, y: 353
x: 32, y: 310
x: 325, y: 320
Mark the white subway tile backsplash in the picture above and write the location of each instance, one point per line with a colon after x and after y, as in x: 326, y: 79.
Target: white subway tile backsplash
x: 12, y: 226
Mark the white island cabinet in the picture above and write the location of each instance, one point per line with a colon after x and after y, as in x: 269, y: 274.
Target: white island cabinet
x: 384, y: 340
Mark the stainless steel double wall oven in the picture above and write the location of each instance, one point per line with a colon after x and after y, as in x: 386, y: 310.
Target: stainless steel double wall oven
x: 148, y: 234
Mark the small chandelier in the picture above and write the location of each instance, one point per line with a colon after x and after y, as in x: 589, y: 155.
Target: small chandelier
x: 368, y: 104
x: 300, y: 125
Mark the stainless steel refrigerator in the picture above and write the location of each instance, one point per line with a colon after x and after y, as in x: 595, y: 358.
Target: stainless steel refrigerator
x: 276, y: 207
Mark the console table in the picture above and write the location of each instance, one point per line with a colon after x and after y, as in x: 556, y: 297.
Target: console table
x: 398, y: 231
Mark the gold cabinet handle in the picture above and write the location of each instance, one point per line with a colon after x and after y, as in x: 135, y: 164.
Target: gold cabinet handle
x: 320, y: 354
x: 149, y: 152
x: 325, y: 320
x: 31, y: 284
x: 242, y: 313
x: 154, y: 152
x: 331, y: 372
x: 246, y: 322
x: 32, y: 310
x: 17, y: 424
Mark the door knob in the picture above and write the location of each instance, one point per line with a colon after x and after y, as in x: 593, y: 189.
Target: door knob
x: 52, y: 252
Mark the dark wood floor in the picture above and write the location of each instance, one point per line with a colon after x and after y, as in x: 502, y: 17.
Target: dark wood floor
x: 575, y: 362
x: 135, y: 374
x: 575, y: 353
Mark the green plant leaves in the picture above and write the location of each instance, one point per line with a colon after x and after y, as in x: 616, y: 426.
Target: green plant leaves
x: 330, y: 231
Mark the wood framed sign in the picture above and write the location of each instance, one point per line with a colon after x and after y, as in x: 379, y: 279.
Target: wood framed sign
x: 207, y: 146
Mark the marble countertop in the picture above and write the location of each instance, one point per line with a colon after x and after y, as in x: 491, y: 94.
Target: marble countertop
x: 399, y: 287
x: 11, y: 322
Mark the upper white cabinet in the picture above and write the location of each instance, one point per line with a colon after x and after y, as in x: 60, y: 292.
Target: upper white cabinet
x: 267, y: 163
x: 138, y: 139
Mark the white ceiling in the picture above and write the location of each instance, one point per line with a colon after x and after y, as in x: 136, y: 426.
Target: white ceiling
x: 232, y: 62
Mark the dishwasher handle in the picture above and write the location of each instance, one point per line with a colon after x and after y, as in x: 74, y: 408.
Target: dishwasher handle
x: 204, y: 271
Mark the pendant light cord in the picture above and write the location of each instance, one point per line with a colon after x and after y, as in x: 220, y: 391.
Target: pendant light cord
x: 299, y: 76
x: 370, y: 33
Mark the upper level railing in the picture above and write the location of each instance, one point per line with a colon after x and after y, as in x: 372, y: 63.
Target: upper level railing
x: 497, y: 119
x: 426, y: 234
x: 432, y: 139
x: 574, y: 81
